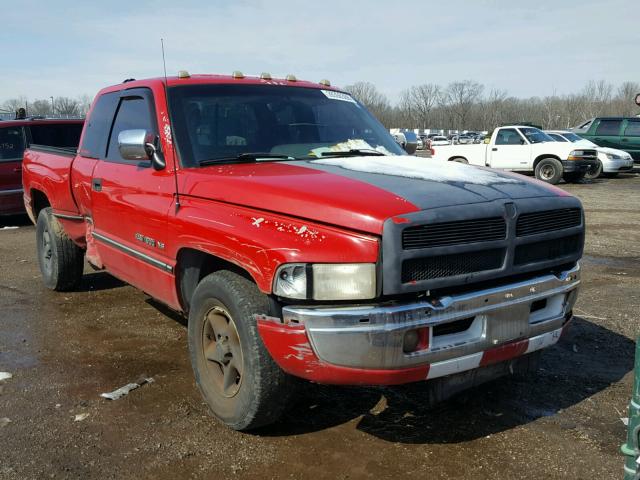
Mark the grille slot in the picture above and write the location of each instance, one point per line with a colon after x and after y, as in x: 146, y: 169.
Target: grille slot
x: 429, y: 268
x: 454, y: 233
x: 547, y: 250
x: 548, y: 221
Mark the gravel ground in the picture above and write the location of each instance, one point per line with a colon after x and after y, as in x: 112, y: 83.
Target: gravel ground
x: 65, y: 349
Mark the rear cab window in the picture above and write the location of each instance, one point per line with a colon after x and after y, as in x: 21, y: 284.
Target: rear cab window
x: 11, y: 143
x: 608, y: 127
x: 632, y: 129
x: 64, y: 135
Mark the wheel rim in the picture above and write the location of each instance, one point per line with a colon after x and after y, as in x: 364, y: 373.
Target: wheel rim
x: 547, y: 172
x: 222, y: 351
x: 47, y: 251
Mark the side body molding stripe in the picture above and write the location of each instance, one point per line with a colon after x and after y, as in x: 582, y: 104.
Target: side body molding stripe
x: 134, y: 253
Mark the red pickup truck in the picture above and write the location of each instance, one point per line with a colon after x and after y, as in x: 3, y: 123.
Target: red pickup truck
x: 14, y: 135
x: 301, y: 241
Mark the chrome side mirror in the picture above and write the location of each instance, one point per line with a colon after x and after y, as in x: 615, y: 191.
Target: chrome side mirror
x: 140, y: 145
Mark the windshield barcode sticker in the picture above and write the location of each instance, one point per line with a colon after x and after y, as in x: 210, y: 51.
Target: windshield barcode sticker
x: 338, y: 96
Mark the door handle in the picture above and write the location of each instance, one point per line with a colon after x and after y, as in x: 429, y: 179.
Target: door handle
x: 494, y: 149
x: 96, y: 184
x: 17, y: 169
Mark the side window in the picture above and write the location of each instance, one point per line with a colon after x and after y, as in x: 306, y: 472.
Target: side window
x: 557, y: 138
x: 11, y: 143
x: 609, y: 127
x: 632, y: 129
x: 62, y: 135
x: 133, y: 114
x: 96, y: 131
x: 508, y: 136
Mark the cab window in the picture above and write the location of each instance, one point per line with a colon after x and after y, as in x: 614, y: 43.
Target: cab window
x: 609, y: 127
x: 133, y: 114
x: 509, y: 136
x: 632, y: 129
x: 11, y: 143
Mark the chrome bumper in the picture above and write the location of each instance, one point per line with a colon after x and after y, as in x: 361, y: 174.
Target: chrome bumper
x: 372, y: 336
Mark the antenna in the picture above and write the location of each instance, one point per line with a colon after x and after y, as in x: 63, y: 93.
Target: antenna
x: 173, y: 147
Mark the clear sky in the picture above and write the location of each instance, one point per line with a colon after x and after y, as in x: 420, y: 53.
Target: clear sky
x: 68, y: 48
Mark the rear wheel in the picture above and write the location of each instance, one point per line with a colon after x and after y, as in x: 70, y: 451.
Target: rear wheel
x: 594, y: 172
x: 460, y: 160
x: 549, y: 170
x: 237, y: 377
x: 61, y: 261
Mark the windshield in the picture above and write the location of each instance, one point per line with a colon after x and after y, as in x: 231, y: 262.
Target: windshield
x: 535, y: 135
x: 226, y: 121
x: 572, y: 137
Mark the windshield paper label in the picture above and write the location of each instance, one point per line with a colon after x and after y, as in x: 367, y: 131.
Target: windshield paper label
x: 338, y: 96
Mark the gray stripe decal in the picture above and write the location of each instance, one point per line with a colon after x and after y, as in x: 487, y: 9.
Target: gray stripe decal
x: 11, y: 192
x: 68, y: 217
x: 425, y: 193
x: 134, y: 253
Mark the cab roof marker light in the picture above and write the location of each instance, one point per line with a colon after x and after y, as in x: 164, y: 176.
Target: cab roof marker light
x: 183, y: 74
x: 237, y: 74
x: 265, y: 76
x: 325, y: 82
x: 291, y: 78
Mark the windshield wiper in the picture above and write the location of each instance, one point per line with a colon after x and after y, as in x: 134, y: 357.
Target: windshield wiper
x: 354, y: 152
x: 248, y: 157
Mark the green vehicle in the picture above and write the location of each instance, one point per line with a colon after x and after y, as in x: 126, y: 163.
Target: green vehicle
x: 622, y: 133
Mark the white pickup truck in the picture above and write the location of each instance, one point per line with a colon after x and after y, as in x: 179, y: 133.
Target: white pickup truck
x: 526, y: 150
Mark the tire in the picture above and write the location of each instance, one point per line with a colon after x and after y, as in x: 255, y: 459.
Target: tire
x: 61, y: 261
x: 594, y: 173
x: 242, y: 385
x: 573, y: 177
x: 460, y: 160
x: 549, y: 170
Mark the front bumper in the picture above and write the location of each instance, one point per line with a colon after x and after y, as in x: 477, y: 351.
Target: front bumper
x: 617, y: 165
x: 570, y: 166
x: 364, y: 344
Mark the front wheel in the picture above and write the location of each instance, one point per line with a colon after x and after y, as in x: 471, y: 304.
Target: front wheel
x: 61, y: 261
x: 594, y: 172
x: 549, y: 170
x: 237, y: 377
x: 460, y: 160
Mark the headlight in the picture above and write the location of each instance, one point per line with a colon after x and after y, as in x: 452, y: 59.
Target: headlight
x: 575, y: 155
x: 609, y: 156
x: 329, y: 281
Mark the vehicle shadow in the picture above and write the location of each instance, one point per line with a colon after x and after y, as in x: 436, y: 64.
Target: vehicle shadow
x: 97, y: 281
x: 15, y: 221
x: 588, y: 360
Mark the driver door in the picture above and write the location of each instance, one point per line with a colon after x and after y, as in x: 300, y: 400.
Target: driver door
x: 130, y: 204
x: 511, y: 150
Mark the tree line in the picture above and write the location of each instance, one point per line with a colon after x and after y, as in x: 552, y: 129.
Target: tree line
x: 468, y: 105
x: 460, y: 105
x: 52, y: 106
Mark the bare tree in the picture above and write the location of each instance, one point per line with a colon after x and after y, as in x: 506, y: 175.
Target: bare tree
x: 40, y: 107
x: 461, y: 96
x: 376, y: 102
x: 67, y: 106
x: 419, y: 101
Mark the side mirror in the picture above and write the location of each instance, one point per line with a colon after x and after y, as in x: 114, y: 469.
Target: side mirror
x: 140, y: 145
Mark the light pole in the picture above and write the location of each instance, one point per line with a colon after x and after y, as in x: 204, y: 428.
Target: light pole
x: 53, y: 108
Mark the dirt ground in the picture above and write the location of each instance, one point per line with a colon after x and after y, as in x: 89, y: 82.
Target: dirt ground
x: 65, y: 349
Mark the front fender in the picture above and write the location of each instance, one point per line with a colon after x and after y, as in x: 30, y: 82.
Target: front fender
x: 260, y: 241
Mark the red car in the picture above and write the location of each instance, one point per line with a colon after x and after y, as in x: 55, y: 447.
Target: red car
x: 301, y: 241
x: 14, y: 135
